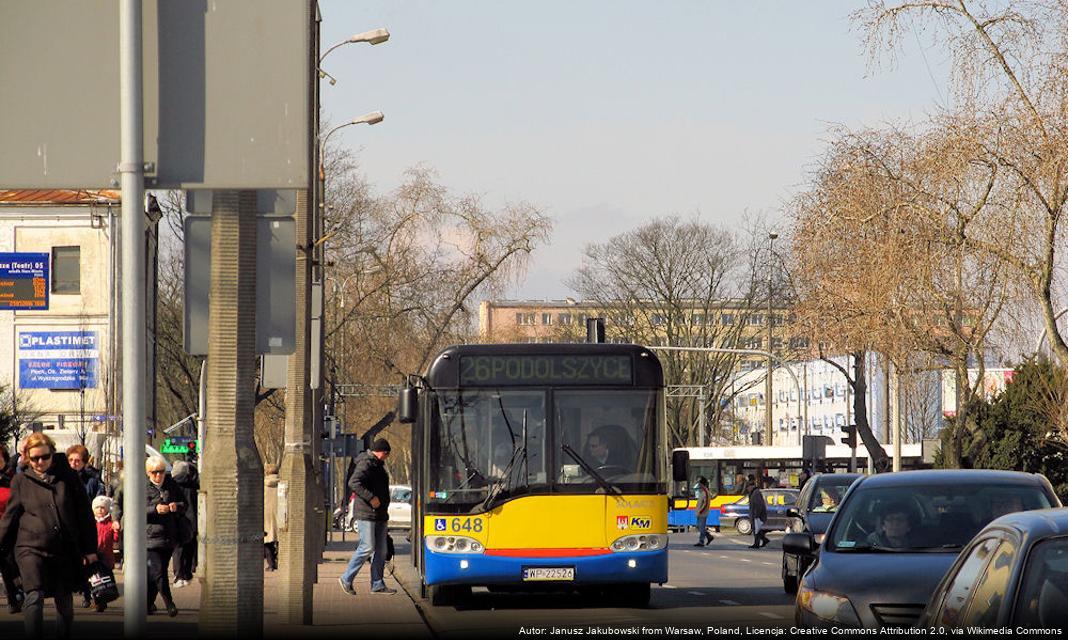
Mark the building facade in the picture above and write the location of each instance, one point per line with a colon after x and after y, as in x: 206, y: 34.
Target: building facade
x: 63, y: 362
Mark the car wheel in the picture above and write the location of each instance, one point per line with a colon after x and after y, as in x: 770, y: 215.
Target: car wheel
x: 743, y: 526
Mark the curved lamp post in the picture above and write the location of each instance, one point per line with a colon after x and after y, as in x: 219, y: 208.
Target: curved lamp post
x: 375, y: 36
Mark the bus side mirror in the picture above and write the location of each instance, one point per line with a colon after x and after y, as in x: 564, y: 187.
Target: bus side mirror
x: 680, y: 465
x: 408, y: 405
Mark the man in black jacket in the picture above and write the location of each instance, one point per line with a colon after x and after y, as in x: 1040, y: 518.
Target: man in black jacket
x: 758, y: 512
x: 370, y: 483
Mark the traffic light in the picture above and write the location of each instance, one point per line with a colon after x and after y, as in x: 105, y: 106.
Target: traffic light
x: 850, y: 439
x: 192, y: 446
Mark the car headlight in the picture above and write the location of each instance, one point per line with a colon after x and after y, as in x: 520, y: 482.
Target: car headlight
x: 454, y: 544
x: 643, y: 542
x: 827, y: 606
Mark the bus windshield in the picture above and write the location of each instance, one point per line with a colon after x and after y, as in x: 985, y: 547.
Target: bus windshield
x: 486, y: 439
x: 613, y: 432
x: 487, y: 445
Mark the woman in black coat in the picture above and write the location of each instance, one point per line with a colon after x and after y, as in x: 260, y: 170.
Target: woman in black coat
x: 49, y: 523
x: 166, y: 503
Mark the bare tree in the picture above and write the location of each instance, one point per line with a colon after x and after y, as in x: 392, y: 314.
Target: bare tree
x: 408, y: 269
x: 1010, y: 65
x: 910, y: 279
x: 683, y: 283
x: 16, y: 412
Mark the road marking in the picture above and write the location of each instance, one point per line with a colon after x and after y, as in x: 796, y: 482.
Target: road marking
x: 696, y: 593
x: 724, y: 557
x: 770, y: 564
x: 744, y: 560
x: 668, y: 586
x: 730, y: 603
x: 773, y: 616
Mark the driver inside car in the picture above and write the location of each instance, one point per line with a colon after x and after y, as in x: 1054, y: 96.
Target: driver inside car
x: 895, y: 527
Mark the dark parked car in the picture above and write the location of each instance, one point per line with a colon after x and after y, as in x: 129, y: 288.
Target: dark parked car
x: 1013, y: 574
x: 737, y: 513
x: 894, y: 537
x: 816, y: 505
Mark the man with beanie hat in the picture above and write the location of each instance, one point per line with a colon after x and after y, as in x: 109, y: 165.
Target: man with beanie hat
x: 370, y: 483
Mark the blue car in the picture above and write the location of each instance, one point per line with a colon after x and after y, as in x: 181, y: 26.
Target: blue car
x: 779, y: 501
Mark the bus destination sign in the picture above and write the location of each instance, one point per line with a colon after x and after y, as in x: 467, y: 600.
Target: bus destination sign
x: 23, y: 281
x: 504, y: 370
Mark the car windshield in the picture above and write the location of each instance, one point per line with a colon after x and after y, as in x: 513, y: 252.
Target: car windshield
x: 400, y: 494
x: 828, y: 493
x: 925, y: 517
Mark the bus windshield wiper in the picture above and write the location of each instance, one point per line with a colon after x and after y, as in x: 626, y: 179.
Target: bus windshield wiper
x: 608, y: 486
x: 505, y: 481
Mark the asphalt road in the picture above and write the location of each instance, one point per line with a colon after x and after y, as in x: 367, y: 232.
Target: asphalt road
x: 722, y: 585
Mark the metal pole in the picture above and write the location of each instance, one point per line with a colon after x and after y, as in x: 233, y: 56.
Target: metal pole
x: 202, y: 494
x: 131, y: 172
x: 804, y: 383
x: 701, y: 417
x: 896, y: 388
x: 769, y: 386
x: 849, y: 420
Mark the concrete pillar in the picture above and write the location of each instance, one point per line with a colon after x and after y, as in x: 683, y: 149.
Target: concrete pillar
x: 232, y: 474
x: 298, y: 544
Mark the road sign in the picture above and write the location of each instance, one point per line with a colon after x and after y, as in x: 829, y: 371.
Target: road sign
x: 23, y: 281
x: 276, y: 284
x: 227, y: 94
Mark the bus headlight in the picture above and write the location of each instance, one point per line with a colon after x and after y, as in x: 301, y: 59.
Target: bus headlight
x: 643, y: 542
x: 454, y: 544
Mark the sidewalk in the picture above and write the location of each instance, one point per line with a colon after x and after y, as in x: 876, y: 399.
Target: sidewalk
x: 336, y: 614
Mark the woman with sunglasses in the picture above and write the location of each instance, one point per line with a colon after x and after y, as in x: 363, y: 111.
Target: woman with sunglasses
x: 166, y: 503
x: 49, y: 523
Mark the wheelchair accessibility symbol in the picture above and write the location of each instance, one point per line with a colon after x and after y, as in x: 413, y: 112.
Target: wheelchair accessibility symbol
x: 439, y: 524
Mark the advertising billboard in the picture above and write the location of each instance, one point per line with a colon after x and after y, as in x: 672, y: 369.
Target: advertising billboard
x: 58, y: 359
x: 23, y: 281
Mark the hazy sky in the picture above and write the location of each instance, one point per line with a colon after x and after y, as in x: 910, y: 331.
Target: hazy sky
x: 608, y: 113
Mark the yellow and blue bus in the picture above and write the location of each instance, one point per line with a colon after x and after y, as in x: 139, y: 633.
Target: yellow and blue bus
x: 539, y: 465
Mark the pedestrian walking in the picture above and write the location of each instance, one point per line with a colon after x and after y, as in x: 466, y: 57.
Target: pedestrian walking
x: 49, y: 522
x: 116, y: 490
x: 166, y: 504
x: 758, y: 512
x: 106, y: 536
x: 370, y: 483
x: 185, y: 554
x: 78, y: 459
x: 270, y: 514
x: 9, y: 573
x: 704, y: 507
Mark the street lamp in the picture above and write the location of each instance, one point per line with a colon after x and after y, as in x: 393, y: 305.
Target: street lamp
x: 368, y: 118
x: 375, y: 36
x: 769, y: 385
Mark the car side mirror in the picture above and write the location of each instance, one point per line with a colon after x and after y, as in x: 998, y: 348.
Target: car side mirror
x: 799, y: 544
x: 794, y: 513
